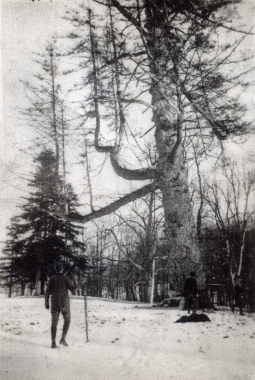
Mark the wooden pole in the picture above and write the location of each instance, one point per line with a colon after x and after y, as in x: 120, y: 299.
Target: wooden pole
x: 153, y: 269
x: 153, y: 279
x: 86, y: 317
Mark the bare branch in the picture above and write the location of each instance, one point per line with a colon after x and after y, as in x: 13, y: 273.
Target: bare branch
x: 122, y: 250
x: 129, y: 17
x: 129, y: 101
x: 132, y: 175
x: 113, y: 206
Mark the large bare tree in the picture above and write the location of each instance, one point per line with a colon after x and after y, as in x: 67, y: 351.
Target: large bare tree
x: 173, y: 62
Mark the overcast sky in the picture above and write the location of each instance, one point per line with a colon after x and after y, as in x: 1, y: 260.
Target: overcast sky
x: 26, y: 25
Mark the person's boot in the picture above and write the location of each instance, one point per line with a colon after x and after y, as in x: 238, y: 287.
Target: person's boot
x: 63, y: 342
x: 53, y: 336
x: 65, y: 330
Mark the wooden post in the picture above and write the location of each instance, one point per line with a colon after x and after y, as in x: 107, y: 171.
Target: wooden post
x: 153, y: 279
x: 153, y: 269
x: 86, y: 316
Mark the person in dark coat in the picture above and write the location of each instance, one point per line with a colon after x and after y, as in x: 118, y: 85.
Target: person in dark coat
x: 190, y: 292
x: 58, y: 287
x: 238, y: 295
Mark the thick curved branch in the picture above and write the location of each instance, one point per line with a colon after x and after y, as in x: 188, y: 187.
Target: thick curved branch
x: 131, y: 175
x: 112, y: 206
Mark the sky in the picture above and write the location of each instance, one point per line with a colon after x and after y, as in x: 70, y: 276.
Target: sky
x: 25, y: 27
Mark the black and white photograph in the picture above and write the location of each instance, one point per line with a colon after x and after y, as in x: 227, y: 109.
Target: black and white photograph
x: 127, y: 224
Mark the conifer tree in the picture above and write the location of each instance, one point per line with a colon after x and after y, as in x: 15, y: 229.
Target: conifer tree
x: 38, y: 237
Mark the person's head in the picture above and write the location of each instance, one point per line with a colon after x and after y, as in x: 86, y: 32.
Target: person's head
x: 59, y: 267
x: 192, y: 274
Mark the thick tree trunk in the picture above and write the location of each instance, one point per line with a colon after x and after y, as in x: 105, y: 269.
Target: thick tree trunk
x: 180, y: 229
x: 172, y: 176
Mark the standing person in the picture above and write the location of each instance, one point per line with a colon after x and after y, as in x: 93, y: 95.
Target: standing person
x: 58, y: 287
x: 238, y: 295
x: 190, y: 292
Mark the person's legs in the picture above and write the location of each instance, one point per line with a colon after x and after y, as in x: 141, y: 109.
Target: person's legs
x: 67, y: 319
x: 189, y: 303
x: 54, y: 323
x: 193, y: 305
x: 241, y: 305
x: 232, y: 304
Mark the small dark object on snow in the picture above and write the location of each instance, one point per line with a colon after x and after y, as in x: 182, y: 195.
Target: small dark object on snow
x: 193, y: 318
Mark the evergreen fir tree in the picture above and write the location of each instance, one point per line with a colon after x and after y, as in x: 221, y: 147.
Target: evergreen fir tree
x: 38, y: 237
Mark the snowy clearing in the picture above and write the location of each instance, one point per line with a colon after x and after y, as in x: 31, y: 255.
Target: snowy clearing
x: 126, y: 341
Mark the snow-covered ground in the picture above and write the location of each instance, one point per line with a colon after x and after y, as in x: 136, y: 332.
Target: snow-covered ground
x: 126, y: 341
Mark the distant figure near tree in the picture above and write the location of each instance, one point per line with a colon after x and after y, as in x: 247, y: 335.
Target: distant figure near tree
x: 190, y: 292
x: 238, y: 295
x: 58, y: 287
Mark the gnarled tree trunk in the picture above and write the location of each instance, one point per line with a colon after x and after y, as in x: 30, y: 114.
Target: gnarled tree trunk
x: 171, y: 171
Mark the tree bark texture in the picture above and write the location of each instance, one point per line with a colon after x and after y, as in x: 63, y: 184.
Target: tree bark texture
x: 172, y: 175
x: 180, y: 228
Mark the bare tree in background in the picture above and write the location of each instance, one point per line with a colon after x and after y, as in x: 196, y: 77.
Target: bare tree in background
x: 230, y: 201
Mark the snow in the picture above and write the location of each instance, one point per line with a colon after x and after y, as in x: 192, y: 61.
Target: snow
x: 126, y: 341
